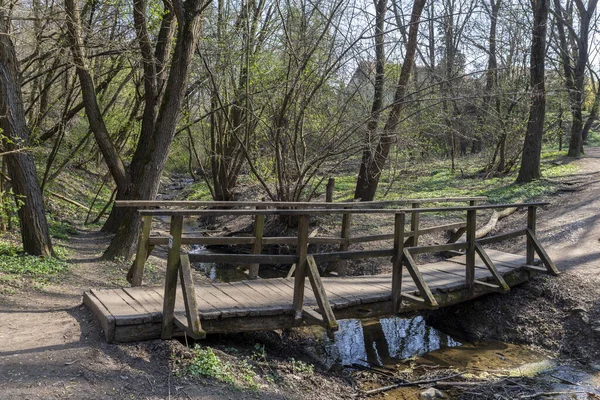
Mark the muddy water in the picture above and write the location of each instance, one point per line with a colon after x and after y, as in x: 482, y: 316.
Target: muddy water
x: 409, y: 344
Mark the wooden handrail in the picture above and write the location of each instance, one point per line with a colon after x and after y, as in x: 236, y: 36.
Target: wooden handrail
x: 305, y: 204
x: 334, y: 210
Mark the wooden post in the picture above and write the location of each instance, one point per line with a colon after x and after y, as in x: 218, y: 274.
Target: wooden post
x: 531, y: 222
x: 322, y: 301
x: 136, y: 272
x: 399, y: 222
x: 171, y: 275
x: 259, y: 225
x: 414, y: 225
x: 329, y: 190
x: 345, y: 235
x: 189, y: 299
x: 301, y: 251
x: 470, y: 256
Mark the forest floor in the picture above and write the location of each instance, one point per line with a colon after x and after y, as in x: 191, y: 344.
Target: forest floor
x: 51, y: 346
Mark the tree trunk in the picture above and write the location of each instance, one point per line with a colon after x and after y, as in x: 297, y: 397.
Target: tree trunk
x: 532, y: 148
x: 374, y: 165
x: 361, y: 182
x: 151, y: 153
x: 21, y: 167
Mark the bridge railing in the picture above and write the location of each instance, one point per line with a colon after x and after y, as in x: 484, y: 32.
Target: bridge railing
x: 405, y: 247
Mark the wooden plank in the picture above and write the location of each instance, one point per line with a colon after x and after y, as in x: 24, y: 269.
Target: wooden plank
x: 299, y: 278
x: 181, y: 320
x: 531, y: 224
x: 513, y: 260
x: 147, y: 301
x: 438, y: 248
x: 203, y: 240
x: 316, y: 211
x: 309, y: 298
x: 259, y: 225
x: 341, y: 265
x: 194, y: 327
x: 251, y: 300
x: 136, y: 272
x: 502, y: 266
x: 418, y: 279
x: 414, y: 225
x: 502, y: 285
x: 207, y: 303
x: 470, y: 253
x: 320, y: 295
x: 291, y: 240
x: 107, y: 320
x: 171, y: 275
x: 122, y: 312
x: 546, y: 260
x: 228, y: 305
x: 398, y: 259
x: 265, y: 204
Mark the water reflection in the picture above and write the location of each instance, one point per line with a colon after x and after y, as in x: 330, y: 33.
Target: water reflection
x: 386, y: 341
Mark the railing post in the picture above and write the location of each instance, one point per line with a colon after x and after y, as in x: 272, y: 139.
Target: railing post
x: 136, y: 273
x: 399, y: 222
x: 299, y: 279
x: 470, y: 256
x: 531, y: 223
x: 414, y: 225
x: 259, y: 225
x: 173, y: 259
x: 345, y: 235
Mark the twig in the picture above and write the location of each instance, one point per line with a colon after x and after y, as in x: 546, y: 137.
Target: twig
x: 565, y: 380
x: 402, y: 384
x: 532, y: 396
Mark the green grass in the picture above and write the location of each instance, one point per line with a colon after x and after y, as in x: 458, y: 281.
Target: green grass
x: 15, y: 264
x: 61, y: 229
x: 436, y: 180
x: 204, y: 363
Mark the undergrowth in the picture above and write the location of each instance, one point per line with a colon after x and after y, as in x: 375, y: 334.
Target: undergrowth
x: 204, y: 363
x: 15, y: 265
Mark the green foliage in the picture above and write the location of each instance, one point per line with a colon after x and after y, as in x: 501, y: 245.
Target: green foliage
x: 9, y: 207
x: 61, y: 229
x: 14, y: 261
x: 594, y: 138
x: 198, y: 191
x: 204, y: 363
x: 436, y: 180
x: 300, y: 367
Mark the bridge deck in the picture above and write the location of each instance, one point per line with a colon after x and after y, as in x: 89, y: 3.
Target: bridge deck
x: 135, y: 313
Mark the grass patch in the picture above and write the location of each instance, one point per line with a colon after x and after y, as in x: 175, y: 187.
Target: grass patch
x: 204, y: 363
x: 14, y: 264
x: 435, y: 179
x: 61, y: 229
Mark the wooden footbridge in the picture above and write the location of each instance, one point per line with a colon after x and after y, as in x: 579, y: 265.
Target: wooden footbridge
x: 143, y: 312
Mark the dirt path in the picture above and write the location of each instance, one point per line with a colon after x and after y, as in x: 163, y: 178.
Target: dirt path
x: 50, y: 346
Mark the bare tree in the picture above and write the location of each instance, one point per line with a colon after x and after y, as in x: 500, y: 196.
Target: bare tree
x: 574, y: 45
x: 372, y: 165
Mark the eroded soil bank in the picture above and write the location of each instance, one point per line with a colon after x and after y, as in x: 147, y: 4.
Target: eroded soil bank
x: 50, y: 346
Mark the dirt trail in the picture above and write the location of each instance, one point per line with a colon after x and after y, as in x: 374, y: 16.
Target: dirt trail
x: 50, y: 346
